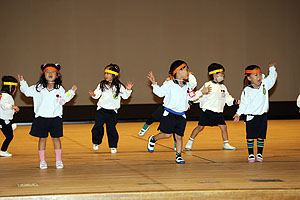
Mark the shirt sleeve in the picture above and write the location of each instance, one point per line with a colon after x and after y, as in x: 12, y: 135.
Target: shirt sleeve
x: 192, y: 82
x: 26, y: 90
x: 98, y: 92
x: 67, y: 96
x: 298, y: 101
x: 243, y: 105
x: 160, y: 91
x: 228, y: 98
x: 4, y: 103
x: 124, y: 93
x: 271, y: 79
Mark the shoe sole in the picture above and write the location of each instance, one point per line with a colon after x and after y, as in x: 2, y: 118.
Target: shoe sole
x: 188, y: 149
x: 181, y: 162
x: 251, y: 161
x: 229, y: 149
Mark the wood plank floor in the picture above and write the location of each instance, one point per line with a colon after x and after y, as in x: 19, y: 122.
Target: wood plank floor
x: 134, y: 173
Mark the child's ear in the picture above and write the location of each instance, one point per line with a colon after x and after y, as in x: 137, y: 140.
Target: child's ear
x: 248, y: 78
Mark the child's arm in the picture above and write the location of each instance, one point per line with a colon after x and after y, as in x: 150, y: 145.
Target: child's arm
x: 96, y: 93
x: 197, y: 96
x: 159, y: 91
x: 5, y: 105
x: 271, y: 79
x: 67, y: 96
x: 24, y: 88
x: 125, y: 93
x: 230, y: 101
x: 298, y: 102
x: 192, y: 81
x: 242, y: 107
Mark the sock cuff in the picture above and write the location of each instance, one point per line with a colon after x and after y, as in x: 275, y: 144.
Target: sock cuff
x: 191, y: 139
x: 226, y: 141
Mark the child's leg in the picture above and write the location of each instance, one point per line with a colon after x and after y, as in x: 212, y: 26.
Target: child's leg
x: 42, y: 147
x: 98, y: 129
x: 8, y: 133
x: 155, y: 116
x: 250, y: 144
x: 112, y: 133
x: 224, y: 132
x: 152, y: 139
x: 195, y: 132
x: 179, y: 159
x: 57, y: 148
x: 260, y: 148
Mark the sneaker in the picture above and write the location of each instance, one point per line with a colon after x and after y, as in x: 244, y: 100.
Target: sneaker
x: 251, y: 158
x: 96, y: 147
x: 43, y: 165
x: 113, y: 150
x: 259, y: 157
x: 5, y: 154
x: 143, y: 131
x: 175, y: 146
x: 179, y: 160
x: 227, y: 146
x: 13, y: 126
x: 59, y: 165
x: 150, y: 145
x: 189, y: 145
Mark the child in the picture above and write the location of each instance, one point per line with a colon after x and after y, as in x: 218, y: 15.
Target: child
x: 109, y: 92
x: 255, y: 105
x: 48, y: 99
x: 212, y: 106
x: 176, y: 95
x: 7, y: 110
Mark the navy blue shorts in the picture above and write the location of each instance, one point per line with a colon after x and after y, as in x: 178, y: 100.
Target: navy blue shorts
x: 172, y: 124
x: 42, y: 126
x: 210, y: 118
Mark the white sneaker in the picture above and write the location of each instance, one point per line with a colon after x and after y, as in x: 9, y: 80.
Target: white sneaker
x: 179, y: 160
x: 150, y: 145
x: 189, y: 145
x: 13, y: 126
x: 59, y: 165
x: 113, y: 150
x: 43, y: 165
x: 5, y: 154
x: 251, y: 158
x: 96, y: 147
x: 227, y: 146
x: 143, y: 131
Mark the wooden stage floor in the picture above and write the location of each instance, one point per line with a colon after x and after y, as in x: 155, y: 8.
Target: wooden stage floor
x: 134, y: 173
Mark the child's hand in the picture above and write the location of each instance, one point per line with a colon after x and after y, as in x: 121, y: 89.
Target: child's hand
x: 16, y: 108
x: 129, y: 85
x: 74, y: 88
x: 239, y: 102
x: 151, y: 77
x: 271, y: 64
x: 92, y: 94
x: 206, y: 90
x: 236, y: 118
x: 20, y: 77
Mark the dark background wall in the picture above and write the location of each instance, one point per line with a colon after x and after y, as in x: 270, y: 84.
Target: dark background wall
x: 141, y: 36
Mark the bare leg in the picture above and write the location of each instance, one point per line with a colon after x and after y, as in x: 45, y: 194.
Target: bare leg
x: 56, y: 143
x: 42, y: 143
x: 162, y: 136
x: 178, y: 143
x: 196, y: 131
x: 224, y: 132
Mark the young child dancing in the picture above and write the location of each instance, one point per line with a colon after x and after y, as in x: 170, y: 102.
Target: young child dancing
x: 109, y: 92
x: 212, y: 106
x: 7, y: 111
x: 255, y: 105
x: 49, y: 96
x: 176, y: 95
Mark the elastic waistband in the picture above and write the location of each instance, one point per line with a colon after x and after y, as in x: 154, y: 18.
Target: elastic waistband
x: 174, y: 112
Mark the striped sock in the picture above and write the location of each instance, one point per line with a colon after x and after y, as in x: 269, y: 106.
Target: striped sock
x: 260, y: 146
x: 250, y: 146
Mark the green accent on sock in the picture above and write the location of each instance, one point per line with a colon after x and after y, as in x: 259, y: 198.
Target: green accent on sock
x: 178, y: 154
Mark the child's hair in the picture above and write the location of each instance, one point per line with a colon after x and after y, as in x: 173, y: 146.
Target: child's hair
x: 175, y: 65
x: 42, y: 83
x: 250, y: 67
x: 7, y: 88
x: 115, y: 82
x: 213, y: 67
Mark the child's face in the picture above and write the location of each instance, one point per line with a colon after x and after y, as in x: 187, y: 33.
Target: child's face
x: 15, y: 90
x: 50, y: 75
x: 108, y: 77
x: 219, y: 77
x: 255, y: 79
x: 183, y: 73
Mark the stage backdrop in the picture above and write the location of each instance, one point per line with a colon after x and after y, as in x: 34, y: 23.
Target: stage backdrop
x: 148, y: 35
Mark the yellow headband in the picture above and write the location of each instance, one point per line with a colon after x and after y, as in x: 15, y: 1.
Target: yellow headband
x: 111, y: 72
x: 9, y: 83
x: 178, y: 68
x: 215, y: 71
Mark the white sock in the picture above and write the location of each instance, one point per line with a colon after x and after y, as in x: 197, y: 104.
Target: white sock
x: 191, y: 139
